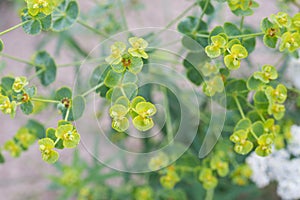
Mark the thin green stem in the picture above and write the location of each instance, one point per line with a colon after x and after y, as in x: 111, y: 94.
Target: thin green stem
x: 13, y: 28
x: 89, y: 27
x: 169, y: 126
x: 250, y: 35
x: 45, y: 100
x: 67, y: 114
x: 36, y: 74
x: 171, y: 23
x: 254, y: 135
x: 123, y: 16
x: 209, y: 194
x: 202, y: 15
x: 247, y: 36
x: 239, y: 107
x: 96, y: 60
x: 92, y: 89
x: 56, y: 141
x: 20, y: 60
x: 242, y: 22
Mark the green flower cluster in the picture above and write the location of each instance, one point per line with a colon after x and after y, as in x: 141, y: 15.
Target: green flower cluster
x: 284, y: 28
x: 65, y: 136
x: 232, y: 50
x: 41, y: 6
x: 120, y: 80
x: 241, y: 175
x: 16, y: 92
x: 140, y: 111
x: 213, y: 80
x: 258, y: 129
x: 242, y: 7
x: 23, y: 139
x: 170, y: 178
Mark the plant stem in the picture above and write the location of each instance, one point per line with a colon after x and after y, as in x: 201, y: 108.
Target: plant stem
x: 20, y: 60
x: 123, y: 16
x: 13, y: 28
x: 202, y: 15
x: 239, y: 107
x: 175, y: 20
x: 96, y: 60
x: 92, y: 89
x: 56, y: 141
x: 250, y: 35
x: 36, y: 74
x: 209, y: 194
x: 45, y: 100
x: 84, y: 24
x: 242, y: 22
x: 169, y: 126
x: 67, y: 114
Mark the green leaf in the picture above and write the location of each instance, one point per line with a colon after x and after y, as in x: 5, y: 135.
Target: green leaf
x: 260, y: 97
x: 243, y: 124
x: 266, y: 24
x: 231, y: 29
x: 31, y: 91
x: 209, y: 9
x: 240, y: 12
x: 65, y: 15
x: 1, y: 45
x: 63, y: 92
x: 36, y: 128
x: 130, y: 90
x: 98, y: 75
x: 136, y: 65
x: 44, y: 60
x: 249, y: 43
x: 7, y: 83
x: 187, y: 25
x: 237, y: 87
x: 123, y: 101
x: 112, y: 78
x: 258, y: 128
x: 27, y: 107
x: 194, y: 76
x: 270, y: 42
x: 46, y: 22
x: 191, y: 44
x: 50, y: 133
x: 77, y: 109
x: 129, y: 78
x: 2, y: 160
x: 33, y: 25
x: 253, y: 83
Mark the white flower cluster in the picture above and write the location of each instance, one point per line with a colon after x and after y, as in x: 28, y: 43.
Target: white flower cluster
x: 279, y: 167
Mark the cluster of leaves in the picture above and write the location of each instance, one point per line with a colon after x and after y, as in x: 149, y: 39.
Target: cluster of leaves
x: 284, y: 28
x: 258, y: 128
x: 64, y: 136
x: 23, y: 139
x: 45, y: 15
x: 118, y: 84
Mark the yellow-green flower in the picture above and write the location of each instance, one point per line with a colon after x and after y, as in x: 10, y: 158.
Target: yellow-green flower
x: 208, y: 179
x: 25, y: 137
x: 170, y: 179
x: 46, y: 147
x: 242, y: 144
x: 241, y: 175
x: 19, y: 84
x: 117, y: 51
x: 13, y: 148
x: 277, y: 110
x: 138, y: 47
x: 265, y: 142
x: 41, y: 6
x: 120, y: 121
x: 296, y: 21
x: 143, y: 120
x: 278, y: 95
x: 290, y: 41
x: 158, y: 162
x: 282, y: 19
x: 221, y: 166
x: 268, y: 73
x: 215, y: 49
x: 144, y: 193
x: 236, y: 4
x: 68, y: 134
x: 7, y: 107
x: 213, y: 85
x: 236, y: 53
